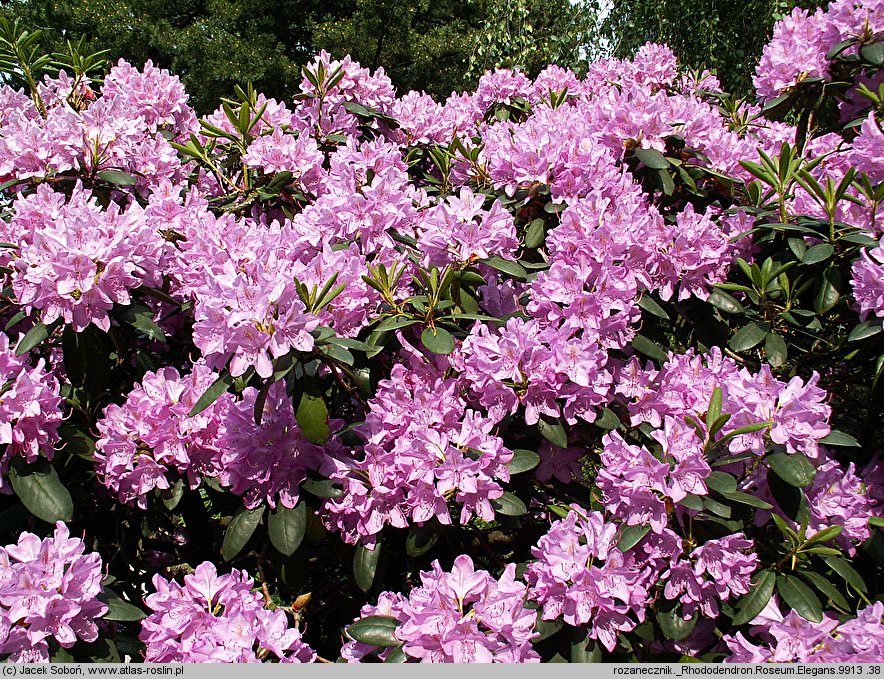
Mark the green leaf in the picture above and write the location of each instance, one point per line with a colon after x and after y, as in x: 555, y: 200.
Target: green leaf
x: 77, y: 442
x: 800, y: 597
x: 32, y: 338
x: 173, y: 495
x: 790, y: 498
x: 375, y: 630
x: 421, y: 539
x: 829, y: 291
x: 798, y: 246
x: 212, y: 394
x: 724, y: 301
x: 778, y: 106
x: 693, y: 502
x: 839, y: 438
x: 38, y: 487
x: 722, y: 483
x: 674, y: 627
x: 713, y: 410
x: 535, y: 234
x: 141, y: 318
x: 716, y: 507
x: 241, y: 528
x: 846, y: 571
x: 397, y: 655
x: 630, y: 536
x: 873, y: 53
x: 796, y: 470
x: 506, y: 266
x: 584, y: 649
x: 365, y: 565
x: 119, y: 610
x: 860, y: 239
x: 839, y: 48
x: 523, y: 461
x: 775, y: 349
x: 553, y: 431
x: 652, y: 158
x: 396, y: 323
x: 748, y: 336
x: 818, y: 253
x: 824, y: 535
x: 747, y: 499
x: 827, y: 588
x: 438, y: 340
x: 322, y: 488
x: 15, y: 320
x: 865, y: 330
x: 509, y: 505
x: 877, y: 521
x: 645, y: 346
x: 286, y: 527
x: 648, y: 304
x: 312, y: 417
x: 749, y: 429
x: 607, y: 419
x: 761, y: 589
x: 117, y: 177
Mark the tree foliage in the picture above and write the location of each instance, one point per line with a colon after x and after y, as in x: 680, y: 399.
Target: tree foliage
x: 725, y: 36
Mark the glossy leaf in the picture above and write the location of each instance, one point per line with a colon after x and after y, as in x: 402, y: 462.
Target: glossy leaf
x: 800, y: 597
x: 750, y: 335
x: 794, y: 469
x: 674, y: 627
x: 375, y: 630
x: 41, y: 491
x: 647, y: 347
x: 212, y: 394
x: 34, y: 337
x: 312, y: 417
x: 438, y: 340
x: 523, y: 461
x: 240, y: 530
x: 554, y: 432
x: 509, y: 505
x: 761, y: 589
x: 365, y: 565
x: 286, y: 527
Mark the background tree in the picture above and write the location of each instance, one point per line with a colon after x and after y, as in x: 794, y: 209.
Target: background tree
x: 422, y: 45
x: 725, y: 36
x: 211, y: 44
x: 531, y: 34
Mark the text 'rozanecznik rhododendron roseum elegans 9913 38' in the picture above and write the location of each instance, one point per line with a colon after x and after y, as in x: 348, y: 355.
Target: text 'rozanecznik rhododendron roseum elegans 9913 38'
x: 574, y: 368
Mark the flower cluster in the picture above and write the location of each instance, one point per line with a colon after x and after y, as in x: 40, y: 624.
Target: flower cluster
x: 71, y: 127
x: 76, y: 260
x: 48, y: 591
x: 460, y: 616
x: 791, y: 638
x: 424, y: 448
x: 217, y: 618
x: 868, y: 281
x: 684, y: 385
x: 717, y: 571
x: 151, y: 436
x: 783, y: 64
x: 30, y: 409
x: 151, y: 440
x: 580, y: 575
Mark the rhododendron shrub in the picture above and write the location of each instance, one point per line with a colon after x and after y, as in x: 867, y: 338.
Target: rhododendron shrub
x: 584, y: 367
